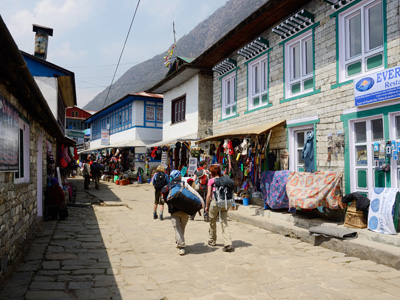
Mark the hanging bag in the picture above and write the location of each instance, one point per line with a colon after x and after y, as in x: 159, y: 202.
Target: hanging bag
x: 181, y: 198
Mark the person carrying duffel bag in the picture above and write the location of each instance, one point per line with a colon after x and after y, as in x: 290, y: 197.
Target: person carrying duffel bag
x: 182, y: 201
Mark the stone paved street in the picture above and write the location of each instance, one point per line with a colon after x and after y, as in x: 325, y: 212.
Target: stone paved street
x: 111, y: 248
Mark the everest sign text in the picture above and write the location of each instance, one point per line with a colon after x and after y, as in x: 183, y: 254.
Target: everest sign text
x: 380, y: 86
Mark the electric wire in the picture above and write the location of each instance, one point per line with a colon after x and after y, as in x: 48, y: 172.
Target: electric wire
x: 123, y: 48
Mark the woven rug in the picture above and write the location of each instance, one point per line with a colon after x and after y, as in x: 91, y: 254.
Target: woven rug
x: 273, y: 188
x: 311, y: 190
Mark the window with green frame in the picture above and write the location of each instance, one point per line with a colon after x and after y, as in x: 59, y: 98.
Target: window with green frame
x: 258, y: 80
x: 299, y: 65
x: 228, y: 92
x: 361, y: 39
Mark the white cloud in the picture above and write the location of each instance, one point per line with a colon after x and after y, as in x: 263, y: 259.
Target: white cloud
x: 66, y: 54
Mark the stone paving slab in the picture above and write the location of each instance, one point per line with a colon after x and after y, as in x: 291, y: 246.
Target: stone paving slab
x: 120, y: 252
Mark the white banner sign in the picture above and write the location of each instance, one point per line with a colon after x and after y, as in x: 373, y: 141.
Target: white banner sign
x: 192, y: 165
x: 105, y: 137
x: 380, y: 86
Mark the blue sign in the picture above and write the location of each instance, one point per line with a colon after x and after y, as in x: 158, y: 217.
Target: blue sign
x: 380, y: 86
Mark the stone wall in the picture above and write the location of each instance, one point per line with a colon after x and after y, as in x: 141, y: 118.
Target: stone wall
x: 18, y: 202
x: 328, y: 104
x: 205, y: 103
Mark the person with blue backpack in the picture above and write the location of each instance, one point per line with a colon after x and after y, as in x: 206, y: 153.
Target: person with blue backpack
x: 180, y: 218
x: 159, y: 180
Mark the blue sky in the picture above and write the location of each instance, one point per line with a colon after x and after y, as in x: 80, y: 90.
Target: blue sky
x: 88, y: 35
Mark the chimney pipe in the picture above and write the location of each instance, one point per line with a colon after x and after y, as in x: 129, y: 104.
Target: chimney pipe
x: 41, y: 40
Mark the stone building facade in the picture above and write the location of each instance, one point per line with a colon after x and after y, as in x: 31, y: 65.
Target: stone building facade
x: 306, y: 73
x: 29, y: 132
x: 21, y: 209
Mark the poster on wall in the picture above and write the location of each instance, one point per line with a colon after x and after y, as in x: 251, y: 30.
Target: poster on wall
x: 380, y: 86
x: 105, y: 137
x: 9, y: 133
x: 192, y: 165
x: 164, y: 159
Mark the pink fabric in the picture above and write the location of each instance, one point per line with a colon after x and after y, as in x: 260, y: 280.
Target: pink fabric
x: 211, y: 183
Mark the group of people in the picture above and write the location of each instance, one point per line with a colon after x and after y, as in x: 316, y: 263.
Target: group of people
x: 204, y: 181
x: 91, y: 167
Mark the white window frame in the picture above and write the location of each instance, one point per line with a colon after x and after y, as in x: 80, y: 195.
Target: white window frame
x: 344, y: 49
x: 262, y: 64
x: 25, y: 156
x: 370, y: 167
x: 228, y: 96
x: 394, y: 165
x: 290, y: 80
x: 293, y: 153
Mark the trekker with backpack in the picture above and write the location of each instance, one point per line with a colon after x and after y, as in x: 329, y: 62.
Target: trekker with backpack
x: 180, y: 218
x: 200, y: 178
x: 159, y: 180
x: 95, y: 168
x: 219, y: 199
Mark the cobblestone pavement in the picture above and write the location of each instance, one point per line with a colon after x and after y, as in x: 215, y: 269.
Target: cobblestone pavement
x: 111, y: 248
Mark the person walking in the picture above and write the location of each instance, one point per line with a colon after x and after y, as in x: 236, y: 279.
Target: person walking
x: 86, y: 173
x: 95, y: 168
x: 56, y: 208
x: 179, y: 218
x: 213, y: 211
x: 159, y: 180
x: 201, y: 176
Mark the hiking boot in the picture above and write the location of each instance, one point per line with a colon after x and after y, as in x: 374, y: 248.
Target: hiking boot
x: 155, y: 215
x: 181, y: 251
x: 228, y: 248
x: 161, y: 217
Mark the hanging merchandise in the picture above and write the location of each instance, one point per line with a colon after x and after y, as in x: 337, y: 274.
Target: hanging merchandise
x: 146, y: 167
x: 308, y: 153
x: 395, y: 155
x: 76, y: 156
x: 285, y: 159
x: 330, y: 143
x: 388, y: 149
x: 244, y: 147
x: 376, y: 150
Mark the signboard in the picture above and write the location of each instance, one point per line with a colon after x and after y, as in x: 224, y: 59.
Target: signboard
x: 75, y: 133
x: 380, y: 86
x: 164, y: 158
x: 9, y: 133
x: 105, y: 137
x: 192, y: 165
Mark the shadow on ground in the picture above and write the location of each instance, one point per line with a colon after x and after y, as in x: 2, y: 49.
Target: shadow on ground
x: 67, y: 259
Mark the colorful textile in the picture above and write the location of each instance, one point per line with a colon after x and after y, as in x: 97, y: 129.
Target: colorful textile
x: 380, y: 215
x: 273, y: 188
x: 311, y: 190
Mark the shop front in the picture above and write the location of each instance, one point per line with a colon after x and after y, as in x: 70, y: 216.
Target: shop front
x: 174, y: 153
x: 373, y: 128
x: 244, y: 154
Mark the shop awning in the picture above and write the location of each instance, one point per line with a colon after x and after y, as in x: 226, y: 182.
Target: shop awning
x: 245, y: 131
x: 124, y: 144
x: 188, y: 138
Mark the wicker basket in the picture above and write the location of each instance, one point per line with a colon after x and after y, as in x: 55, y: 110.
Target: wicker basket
x: 354, y: 218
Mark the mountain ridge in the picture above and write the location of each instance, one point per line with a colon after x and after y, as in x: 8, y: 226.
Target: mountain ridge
x: 145, y: 74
